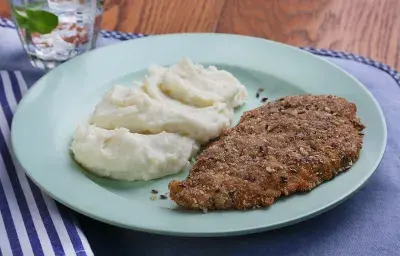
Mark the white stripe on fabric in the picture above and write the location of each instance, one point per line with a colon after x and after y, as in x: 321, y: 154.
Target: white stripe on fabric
x: 32, y: 206
x: 8, y: 89
x: 10, y: 195
x: 85, y: 242
x: 59, y: 225
x: 4, y: 244
x: 21, y: 82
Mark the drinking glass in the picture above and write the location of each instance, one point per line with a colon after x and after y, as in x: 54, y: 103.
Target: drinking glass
x: 53, y: 31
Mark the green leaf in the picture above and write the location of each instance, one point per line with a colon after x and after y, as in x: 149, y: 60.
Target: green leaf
x: 41, y: 21
x: 19, y: 9
x: 21, y: 20
x: 35, y: 5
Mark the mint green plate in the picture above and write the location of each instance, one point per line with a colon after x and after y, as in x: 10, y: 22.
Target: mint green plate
x: 47, y: 116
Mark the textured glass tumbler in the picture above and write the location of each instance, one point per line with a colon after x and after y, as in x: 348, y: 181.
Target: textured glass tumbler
x: 53, y: 31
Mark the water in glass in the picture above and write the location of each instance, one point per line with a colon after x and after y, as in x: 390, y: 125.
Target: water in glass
x: 54, y: 31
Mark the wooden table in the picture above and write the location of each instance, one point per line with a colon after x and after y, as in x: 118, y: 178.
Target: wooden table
x: 367, y: 27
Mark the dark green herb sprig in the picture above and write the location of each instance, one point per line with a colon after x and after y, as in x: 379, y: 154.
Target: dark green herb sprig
x: 32, y: 19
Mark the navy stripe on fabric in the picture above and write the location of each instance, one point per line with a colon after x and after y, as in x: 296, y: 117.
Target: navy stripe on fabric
x: 71, y: 228
x: 14, y: 85
x: 19, y: 195
x: 17, y: 253
x: 4, y: 104
x: 40, y: 202
x: 7, y: 218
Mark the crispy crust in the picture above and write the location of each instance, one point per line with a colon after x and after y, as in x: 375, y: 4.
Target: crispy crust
x: 287, y: 146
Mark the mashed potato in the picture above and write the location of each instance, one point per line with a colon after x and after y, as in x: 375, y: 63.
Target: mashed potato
x: 135, y: 110
x: 122, y: 155
x: 195, y: 85
x: 152, y: 130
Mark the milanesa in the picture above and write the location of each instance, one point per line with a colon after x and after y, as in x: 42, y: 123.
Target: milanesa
x: 287, y: 146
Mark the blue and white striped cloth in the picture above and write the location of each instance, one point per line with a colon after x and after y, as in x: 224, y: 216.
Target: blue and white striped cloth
x: 31, y: 223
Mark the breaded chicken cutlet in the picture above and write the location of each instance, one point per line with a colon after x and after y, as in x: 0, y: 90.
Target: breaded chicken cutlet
x: 283, y: 147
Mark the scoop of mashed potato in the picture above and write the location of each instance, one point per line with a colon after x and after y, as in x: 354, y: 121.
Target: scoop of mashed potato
x: 151, y: 131
x: 122, y: 155
x: 135, y: 110
x: 195, y: 85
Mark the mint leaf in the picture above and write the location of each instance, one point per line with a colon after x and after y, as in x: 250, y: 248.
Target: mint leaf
x: 19, y: 9
x: 41, y: 21
x: 35, y: 5
x: 21, y: 20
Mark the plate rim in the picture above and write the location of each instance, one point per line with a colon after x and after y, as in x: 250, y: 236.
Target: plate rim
x: 188, y: 233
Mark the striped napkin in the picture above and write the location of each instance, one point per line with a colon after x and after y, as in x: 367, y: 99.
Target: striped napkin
x: 31, y: 223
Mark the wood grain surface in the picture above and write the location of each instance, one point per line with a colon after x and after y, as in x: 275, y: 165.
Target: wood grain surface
x: 162, y: 16
x: 367, y: 27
